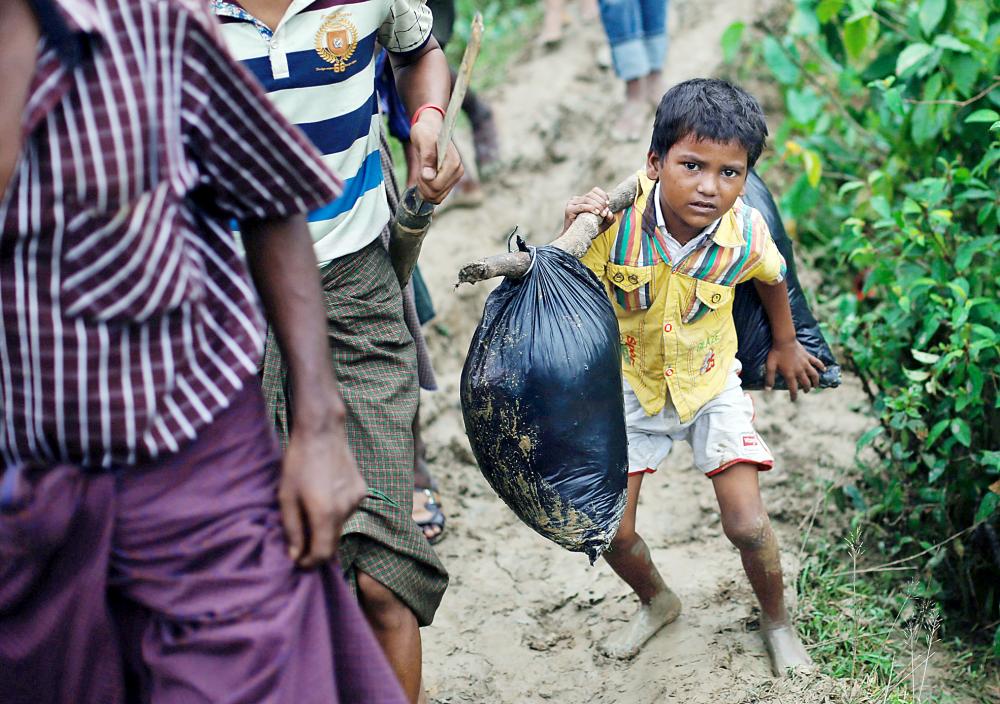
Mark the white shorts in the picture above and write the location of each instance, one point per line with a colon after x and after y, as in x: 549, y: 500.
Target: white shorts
x: 721, y: 433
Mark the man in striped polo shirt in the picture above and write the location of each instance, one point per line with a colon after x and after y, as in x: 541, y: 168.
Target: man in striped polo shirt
x: 143, y: 495
x: 316, y: 61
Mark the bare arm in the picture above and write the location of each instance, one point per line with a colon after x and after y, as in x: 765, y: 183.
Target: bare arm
x: 320, y: 484
x: 787, y: 356
x: 424, y: 77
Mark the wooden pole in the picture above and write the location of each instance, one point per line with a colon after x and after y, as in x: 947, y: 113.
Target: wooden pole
x: 414, y: 215
x: 576, y: 241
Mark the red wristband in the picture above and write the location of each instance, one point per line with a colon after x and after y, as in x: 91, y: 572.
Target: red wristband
x: 425, y: 106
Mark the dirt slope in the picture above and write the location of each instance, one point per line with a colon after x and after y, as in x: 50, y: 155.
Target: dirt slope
x: 522, y: 617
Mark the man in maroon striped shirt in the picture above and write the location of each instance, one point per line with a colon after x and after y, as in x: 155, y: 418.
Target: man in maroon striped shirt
x: 149, y: 528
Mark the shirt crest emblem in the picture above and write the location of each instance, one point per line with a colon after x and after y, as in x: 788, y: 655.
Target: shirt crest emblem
x: 336, y: 41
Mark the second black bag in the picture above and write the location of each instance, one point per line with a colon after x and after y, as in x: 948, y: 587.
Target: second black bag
x: 542, y: 399
x: 752, y: 327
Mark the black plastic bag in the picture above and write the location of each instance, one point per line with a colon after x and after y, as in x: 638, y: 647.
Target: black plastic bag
x: 542, y: 399
x: 752, y: 327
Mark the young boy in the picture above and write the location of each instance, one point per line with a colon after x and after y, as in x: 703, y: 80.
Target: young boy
x: 670, y: 263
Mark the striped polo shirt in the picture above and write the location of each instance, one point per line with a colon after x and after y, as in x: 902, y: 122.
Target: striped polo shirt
x: 318, y: 68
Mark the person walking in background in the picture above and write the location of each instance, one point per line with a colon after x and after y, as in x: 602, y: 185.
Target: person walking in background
x: 143, y: 494
x: 555, y: 17
x: 637, y: 32
x: 316, y: 61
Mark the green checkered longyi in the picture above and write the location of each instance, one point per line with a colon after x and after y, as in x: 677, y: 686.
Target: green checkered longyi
x: 375, y: 362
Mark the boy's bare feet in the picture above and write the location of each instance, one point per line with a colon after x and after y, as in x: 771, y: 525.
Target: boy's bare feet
x: 664, y: 608
x: 785, y: 649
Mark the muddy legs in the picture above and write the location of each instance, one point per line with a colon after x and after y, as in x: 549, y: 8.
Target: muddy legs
x: 629, y: 557
x: 746, y: 524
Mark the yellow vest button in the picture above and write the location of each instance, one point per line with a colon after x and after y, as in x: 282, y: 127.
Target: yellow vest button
x: 668, y: 372
x: 619, y: 277
x: 716, y: 297
x: 668, y: 328
x: 633, y: 279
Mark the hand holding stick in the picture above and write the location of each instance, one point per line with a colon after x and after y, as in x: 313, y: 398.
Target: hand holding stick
x: 413, y: 217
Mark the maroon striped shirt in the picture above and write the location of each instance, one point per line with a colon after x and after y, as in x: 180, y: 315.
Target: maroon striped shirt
x: 128, y: 318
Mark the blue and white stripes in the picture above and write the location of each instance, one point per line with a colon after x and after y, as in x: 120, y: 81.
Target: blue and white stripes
x: 334, y: 104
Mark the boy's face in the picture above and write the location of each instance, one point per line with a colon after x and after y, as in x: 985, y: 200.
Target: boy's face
x: 699, y: 181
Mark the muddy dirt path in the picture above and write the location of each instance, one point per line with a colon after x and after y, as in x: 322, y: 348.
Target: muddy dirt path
x: 521, y: 619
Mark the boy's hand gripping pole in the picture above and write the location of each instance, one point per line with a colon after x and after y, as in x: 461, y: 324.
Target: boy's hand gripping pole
x: 414, y: 214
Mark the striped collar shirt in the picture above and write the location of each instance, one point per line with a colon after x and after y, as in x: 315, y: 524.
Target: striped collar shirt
x: 128, y: 318
x: 675, y: 250
x: 318, y: 68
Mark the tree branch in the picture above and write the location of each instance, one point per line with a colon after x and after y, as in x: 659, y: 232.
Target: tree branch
x: 576, y: 241
x: 960, y: 103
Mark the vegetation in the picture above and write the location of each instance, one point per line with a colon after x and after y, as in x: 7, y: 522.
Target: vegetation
x: 892, y: 119
x: 509, y: 25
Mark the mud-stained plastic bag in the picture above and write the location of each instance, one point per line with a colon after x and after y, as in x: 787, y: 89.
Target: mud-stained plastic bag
x: 542, y: 399
x: 752, y: 327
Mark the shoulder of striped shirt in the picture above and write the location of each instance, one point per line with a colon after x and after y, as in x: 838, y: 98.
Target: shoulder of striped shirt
x: 759, y: 231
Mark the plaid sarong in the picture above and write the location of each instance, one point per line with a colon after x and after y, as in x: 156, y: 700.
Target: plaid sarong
x: 375, y: 362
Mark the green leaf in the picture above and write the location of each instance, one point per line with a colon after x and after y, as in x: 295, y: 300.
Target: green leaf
x: 828, y: 9
x: 858, y: 34
x: 814, y: 167
x: 931, y: 12
x: 946, y: 41
x: 936, y: 431
x: 966, y: 252
x: 936, y: 472
x: 804, y: 23
x: 803, y: 105
x: 849, y: 187
x: 976, y: 380
x: 855, y: 496
x: 866, y: 439
x: 923, y: 126
x: 894, y: 101
x: 925, y: 357
x: 916, y: 374
x: 960, y: 429
x: 881, y: 207
x: 731, y: 41
x: 983, y: 115
x: 987, y: 506
x: 783, y: 68
x: 911, y: 56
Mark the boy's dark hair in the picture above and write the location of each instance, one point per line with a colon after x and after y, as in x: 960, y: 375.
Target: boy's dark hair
x: 710, y: 109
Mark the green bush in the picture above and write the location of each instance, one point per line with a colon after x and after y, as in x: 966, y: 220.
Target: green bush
x: 892, y: 118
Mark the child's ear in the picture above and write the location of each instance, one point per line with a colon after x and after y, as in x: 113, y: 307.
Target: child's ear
x: 653, y: 166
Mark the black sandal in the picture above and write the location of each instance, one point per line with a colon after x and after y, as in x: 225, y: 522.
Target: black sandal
x: 437, y: 517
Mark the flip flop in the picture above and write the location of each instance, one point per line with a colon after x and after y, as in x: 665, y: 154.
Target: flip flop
x: 437, y: 517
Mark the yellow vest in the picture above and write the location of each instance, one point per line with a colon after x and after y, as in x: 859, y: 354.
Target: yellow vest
x: 676, y: 318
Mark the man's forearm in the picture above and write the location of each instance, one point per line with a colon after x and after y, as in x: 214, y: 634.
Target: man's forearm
x: 423, y: 78
x: 774, y: 298
x: 283, y: 266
